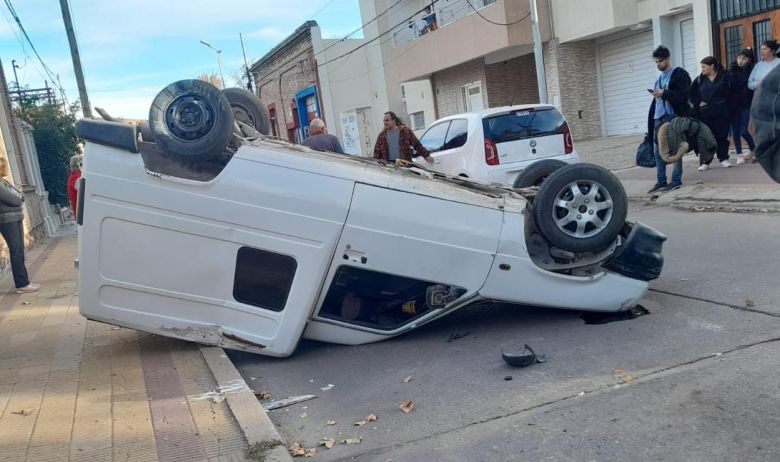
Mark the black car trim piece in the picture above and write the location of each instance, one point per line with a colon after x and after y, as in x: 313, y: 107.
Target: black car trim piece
x: 640, y: 256
x: 115, y: 134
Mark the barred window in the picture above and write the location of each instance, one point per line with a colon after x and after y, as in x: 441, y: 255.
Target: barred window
x: 733, y: 43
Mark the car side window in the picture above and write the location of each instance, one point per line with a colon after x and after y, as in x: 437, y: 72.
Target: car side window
x: 433, y: 138
x: 457, y: 134
x: 263, y: 278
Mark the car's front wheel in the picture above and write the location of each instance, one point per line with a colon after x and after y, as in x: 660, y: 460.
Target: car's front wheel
x: 580, y: 208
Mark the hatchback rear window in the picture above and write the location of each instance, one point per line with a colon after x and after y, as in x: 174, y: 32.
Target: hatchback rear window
x: 523, y: 124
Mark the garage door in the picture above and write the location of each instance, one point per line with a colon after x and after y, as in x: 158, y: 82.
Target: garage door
x: 688, y: 39
x: 627, y: 70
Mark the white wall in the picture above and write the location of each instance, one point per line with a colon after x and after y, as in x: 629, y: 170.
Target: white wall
x: 419, y: 98
x: 355, y: 82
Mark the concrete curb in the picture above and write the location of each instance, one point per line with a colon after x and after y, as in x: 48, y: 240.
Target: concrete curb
x: 265, y: 443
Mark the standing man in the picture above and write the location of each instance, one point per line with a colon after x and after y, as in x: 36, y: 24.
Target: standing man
x: 670, y: 99
x: 396, y: 141
x: 321, y: 141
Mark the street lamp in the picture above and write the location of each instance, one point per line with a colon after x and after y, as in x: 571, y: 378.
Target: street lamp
x: 219, y: 61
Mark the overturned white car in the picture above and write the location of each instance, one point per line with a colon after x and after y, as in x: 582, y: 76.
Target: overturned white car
x: 192, y: 229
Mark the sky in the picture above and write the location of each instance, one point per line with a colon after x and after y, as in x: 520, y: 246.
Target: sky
x: 132, y: 49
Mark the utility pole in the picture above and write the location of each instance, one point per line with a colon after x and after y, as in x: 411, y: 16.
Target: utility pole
x: 16, y: 78
x: 246, y: 65
x: 219, y: 60
x: 541, y: 80
x: 74, y: 52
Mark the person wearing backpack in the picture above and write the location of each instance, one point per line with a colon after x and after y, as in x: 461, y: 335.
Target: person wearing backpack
x: 710, y: 97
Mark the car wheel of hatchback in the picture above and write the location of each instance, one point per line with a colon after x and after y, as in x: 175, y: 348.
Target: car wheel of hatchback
x: 192, y: 120
x: 248, y: 108
x: 536, y: 173
x: 580, y: 208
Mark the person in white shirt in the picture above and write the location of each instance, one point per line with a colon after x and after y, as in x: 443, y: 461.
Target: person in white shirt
x: 769, y: 61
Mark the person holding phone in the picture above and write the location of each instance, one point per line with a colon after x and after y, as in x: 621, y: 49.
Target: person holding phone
x: 670, y: 99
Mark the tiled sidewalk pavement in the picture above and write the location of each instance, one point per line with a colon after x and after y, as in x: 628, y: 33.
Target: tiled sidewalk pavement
x: 72, y: 389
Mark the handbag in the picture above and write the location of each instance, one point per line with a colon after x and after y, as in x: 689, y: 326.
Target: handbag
x: 645, y: 153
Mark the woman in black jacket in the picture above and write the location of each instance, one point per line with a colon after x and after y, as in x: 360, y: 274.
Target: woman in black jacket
x: 710, y: 97
x: 741, y: 99
x: 11, y: 216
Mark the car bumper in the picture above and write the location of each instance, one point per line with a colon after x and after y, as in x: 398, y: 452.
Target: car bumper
x: 505, y: 175
x: 640, y: 256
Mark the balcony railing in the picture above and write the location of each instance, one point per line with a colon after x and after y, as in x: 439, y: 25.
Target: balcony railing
x: 446, y: 14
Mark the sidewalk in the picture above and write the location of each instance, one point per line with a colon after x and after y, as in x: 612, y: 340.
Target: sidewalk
x: 73, y: 389
x: 741, y: 188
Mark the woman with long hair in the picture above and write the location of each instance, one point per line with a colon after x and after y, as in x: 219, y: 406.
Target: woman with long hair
x: 710, y: 96
x: 11, y: 217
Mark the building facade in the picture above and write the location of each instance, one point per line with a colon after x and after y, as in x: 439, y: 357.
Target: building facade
x: 286, y: 81
x: 744, y: 23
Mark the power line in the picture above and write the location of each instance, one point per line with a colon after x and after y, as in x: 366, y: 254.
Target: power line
x: 27, y: 37
x: 363, y: 26
x: 323, y: 8
x: 494, y: 22
x: 391, y: 29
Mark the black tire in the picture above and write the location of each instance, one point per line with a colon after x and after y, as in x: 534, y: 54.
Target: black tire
x: 536, y: 173
x: 249, y: 109
x: 595, y: 216
x: 191, y: 120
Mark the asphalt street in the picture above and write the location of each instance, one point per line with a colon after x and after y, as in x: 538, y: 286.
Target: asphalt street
x: 695, y: 379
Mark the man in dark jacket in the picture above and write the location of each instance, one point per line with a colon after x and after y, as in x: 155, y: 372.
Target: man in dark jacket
x: 765, y: 117
x: 670, y: 99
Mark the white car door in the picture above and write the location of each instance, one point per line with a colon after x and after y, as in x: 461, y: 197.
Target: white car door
x: 395, y: 246
x: 433, y: 140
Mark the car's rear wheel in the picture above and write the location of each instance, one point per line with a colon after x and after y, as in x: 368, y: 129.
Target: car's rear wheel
x: 248, y: 108
x: 580, y: 208
x: 536, y: 173
x: 192, y: 120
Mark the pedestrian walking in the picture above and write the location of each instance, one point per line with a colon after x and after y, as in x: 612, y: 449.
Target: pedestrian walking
x: 741, y: 99
x: 710, y: 97
x: 670, y: 99
x: 769, y: 61
x: 72, y: 185
x: 320, y: 140
x: 397, y: 141
x: 11, y: 217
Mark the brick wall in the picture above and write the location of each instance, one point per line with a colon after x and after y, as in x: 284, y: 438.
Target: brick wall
x: 571, y: 76
x: 512, y: 82
x: 291, y: 70
x: 447, y: 86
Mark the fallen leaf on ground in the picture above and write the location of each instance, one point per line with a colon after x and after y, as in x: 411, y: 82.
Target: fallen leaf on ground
x: 367, y: 419
x: 296, y: 450
x: 407, y: 406
x: 327, y: 442
x: 24, y: 412
x: 628, y: 378
x: 749, y: 302
x: 617, y: 372
x: 263, y: 394
x: 352, y: 440
x: 331, y: 422
x: 408, y: 379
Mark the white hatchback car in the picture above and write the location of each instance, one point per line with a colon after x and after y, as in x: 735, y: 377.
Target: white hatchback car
x: 493, y: 146
x: 190, y: 230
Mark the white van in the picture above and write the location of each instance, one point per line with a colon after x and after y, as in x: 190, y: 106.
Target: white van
x: 493, y: 146
x: 280, y: 242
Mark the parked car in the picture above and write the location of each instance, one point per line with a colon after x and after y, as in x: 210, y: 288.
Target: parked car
x: 495, y: 145
x: 251, y: 243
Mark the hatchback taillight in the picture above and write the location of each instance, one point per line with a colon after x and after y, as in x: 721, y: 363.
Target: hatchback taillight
x: 491, y: 153
x: 568, y: 145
